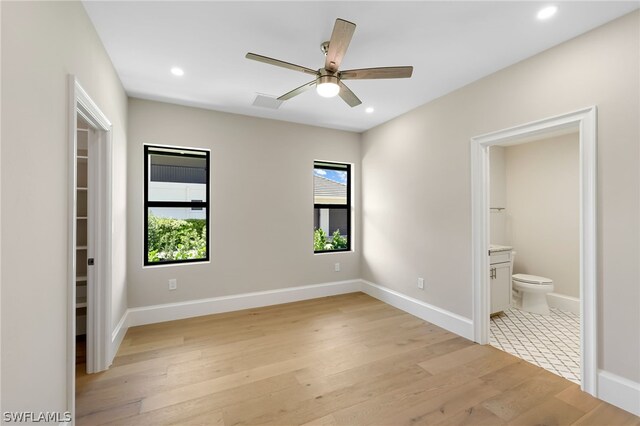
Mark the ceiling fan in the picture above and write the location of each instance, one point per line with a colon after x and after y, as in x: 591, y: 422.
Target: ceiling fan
x: 328, y: 80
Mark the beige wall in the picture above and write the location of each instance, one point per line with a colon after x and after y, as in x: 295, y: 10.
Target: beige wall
x: 543, y: 209
x: 497, y: 197
x: 416, y: 179
x: 261, y: 197
x: 42, y: 42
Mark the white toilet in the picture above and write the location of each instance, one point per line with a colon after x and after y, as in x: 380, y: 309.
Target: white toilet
x: 533, y: 292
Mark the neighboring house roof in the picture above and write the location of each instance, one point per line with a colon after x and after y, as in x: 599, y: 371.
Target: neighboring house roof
x: 327, y: 191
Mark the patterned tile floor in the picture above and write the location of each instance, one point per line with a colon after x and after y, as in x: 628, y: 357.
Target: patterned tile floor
x: 551, y: 342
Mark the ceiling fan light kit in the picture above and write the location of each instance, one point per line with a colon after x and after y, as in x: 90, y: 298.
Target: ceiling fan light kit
x: 327, y: 86
x: 328, y: 81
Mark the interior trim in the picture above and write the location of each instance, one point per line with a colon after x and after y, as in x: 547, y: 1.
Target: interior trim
x: 584, y: 120
x: 441, y: 317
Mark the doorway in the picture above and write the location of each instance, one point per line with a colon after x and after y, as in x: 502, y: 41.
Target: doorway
x: 534, y: 251
x: 584, y: 122
x: 89, y: 241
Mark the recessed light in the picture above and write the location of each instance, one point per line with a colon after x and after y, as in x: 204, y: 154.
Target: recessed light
x: 547, y: 12
x: 177, y: 71
x: 369, y: 110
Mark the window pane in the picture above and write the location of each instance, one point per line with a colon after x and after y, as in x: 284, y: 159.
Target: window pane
x: 177, y: 175
x: 176, y: 234
x: 329, y: 186
x: 330, y: 229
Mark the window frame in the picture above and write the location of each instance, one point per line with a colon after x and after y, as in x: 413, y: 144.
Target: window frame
x: 341, y: 168
x: 176, y: 204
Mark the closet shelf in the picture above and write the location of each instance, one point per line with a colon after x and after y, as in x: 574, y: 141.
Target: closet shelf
x: 81, y: 188
x: 81, y: 278
x: 81, y: 247
x: 81, y: 217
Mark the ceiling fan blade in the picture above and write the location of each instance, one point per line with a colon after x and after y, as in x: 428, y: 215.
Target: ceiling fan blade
x: 340, y: 39
x: 348, y: 96
x: 374, y: 73
x: 279, y: 63
x: 297, y: 91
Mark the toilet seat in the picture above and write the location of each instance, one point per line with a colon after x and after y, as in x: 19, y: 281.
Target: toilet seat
x: 532, y: 279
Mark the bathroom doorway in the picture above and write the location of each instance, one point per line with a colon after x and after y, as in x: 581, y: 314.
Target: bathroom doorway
x: 534, y: 251
x: 579, y: 323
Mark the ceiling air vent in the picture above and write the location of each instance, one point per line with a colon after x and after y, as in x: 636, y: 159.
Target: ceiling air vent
x: 266, y: 101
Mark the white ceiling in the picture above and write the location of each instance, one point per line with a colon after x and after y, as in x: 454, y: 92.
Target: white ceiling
x: 450, y: 44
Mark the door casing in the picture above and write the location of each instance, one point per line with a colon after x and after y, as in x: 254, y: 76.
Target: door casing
x: 99, y: 355
x: 585, y: 121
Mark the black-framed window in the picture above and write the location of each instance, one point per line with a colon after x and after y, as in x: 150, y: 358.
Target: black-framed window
x: 331, y: 207
x: 176, y: 205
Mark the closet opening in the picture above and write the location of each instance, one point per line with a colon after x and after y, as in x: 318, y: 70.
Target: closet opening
x: 89, y: 240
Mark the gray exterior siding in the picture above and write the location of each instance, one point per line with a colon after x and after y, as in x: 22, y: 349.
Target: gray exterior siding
x: 337, y: 220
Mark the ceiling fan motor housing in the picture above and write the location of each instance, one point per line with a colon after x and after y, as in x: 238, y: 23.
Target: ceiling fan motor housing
x: 327, y: 79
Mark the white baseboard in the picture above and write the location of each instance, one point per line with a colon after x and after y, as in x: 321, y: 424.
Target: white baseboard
x: 118, y: 335
x: 442, y: 318
x: 566, y: 303
x: 618, y: 391
x: 215, y: 305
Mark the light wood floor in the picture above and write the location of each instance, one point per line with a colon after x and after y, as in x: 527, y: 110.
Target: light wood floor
x: 344, y: 360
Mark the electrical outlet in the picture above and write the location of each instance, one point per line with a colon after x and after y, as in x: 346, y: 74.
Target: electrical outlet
x: 337, y: 267
x: 173, y: 284
x: 421, y: 283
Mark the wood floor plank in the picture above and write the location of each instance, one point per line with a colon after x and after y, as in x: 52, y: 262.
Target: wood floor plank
x: 117, y: 413
x: 473, y: 416
x: 442, y: 406
x: 422, y: 396
x: 512, y: 374
x: 322, y: 421
x: 579, y: 399
x: 551, y: 411
x: 213, y: 418
x: 457, y: 358
x: 607, y: 414
x: 342, y: 360
x: 211, y: 402
x: 525, y: 396
x: 218, y: 384
x: 339, y: 398
x: 87, y: 382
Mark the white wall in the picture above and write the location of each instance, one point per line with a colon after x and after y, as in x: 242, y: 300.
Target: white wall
x: 416, y: 179
x: 43, y: 42
x: 261, y: 203
x: 543, y: 209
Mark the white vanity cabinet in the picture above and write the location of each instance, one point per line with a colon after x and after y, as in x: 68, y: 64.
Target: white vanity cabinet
x: 500, y: 279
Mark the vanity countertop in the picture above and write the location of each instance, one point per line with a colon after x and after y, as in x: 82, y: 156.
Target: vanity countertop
x: 494, y: 248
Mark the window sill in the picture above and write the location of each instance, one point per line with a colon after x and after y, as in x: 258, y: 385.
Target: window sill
x: 333, y: 252
x: 166, y: 265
